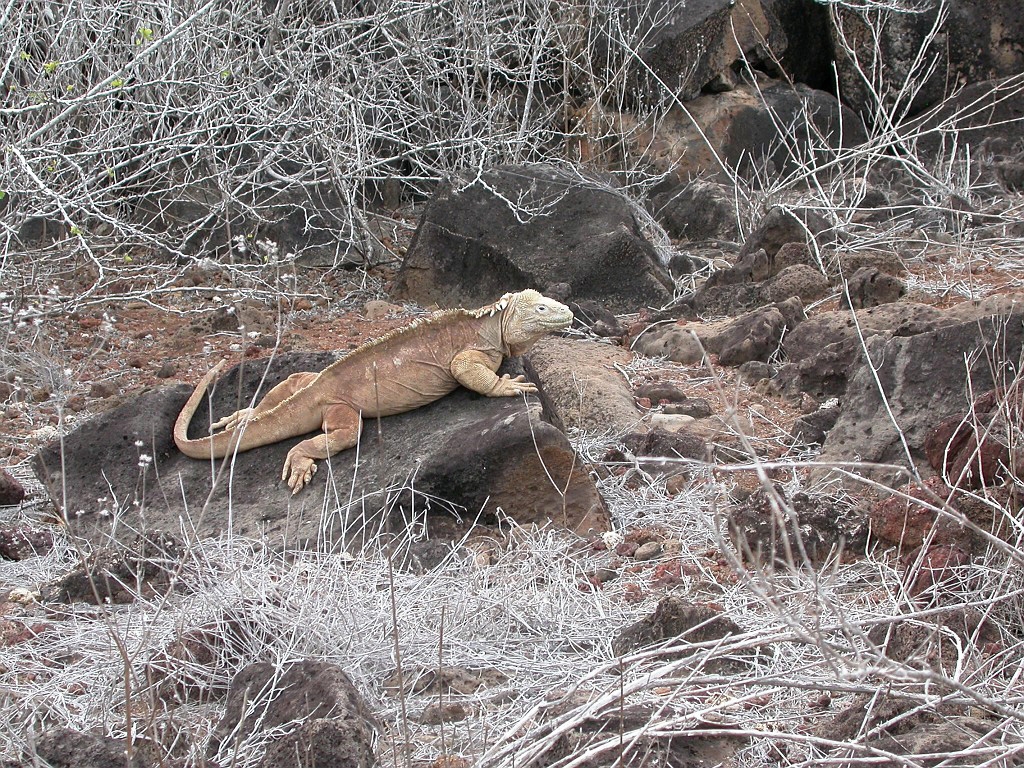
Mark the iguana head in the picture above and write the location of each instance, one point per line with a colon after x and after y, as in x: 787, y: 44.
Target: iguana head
x: 528, y: 315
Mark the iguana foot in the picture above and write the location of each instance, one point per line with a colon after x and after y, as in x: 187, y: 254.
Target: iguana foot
x: 298, y: 470
x: 506, y: 386
x: 235, y: 419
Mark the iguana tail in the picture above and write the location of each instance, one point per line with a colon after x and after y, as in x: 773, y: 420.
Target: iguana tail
x: 215, y: 446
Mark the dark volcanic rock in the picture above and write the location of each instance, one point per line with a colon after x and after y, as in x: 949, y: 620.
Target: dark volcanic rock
x: 675, y: 618
x: 11, y: 491
x: 924, y: 735
x: 755, y: 336
x: 465, y: 450
x: 687, y: 47
x: 978, y: 40
x: 650, y: 748
x: 560, y: 229
x: 925, y: 379
x: 147, y: 567
x: 780, y: 227
x: 332, y: 724
x: 934, y: 642
x: 811, y: 428
x: 198, y: 664
x: 18, y: 542
x: 808, y: 57
x: 68, y: 748
x: 869, y: 287
x: 698, y: 210
x: 822, y: 375
x: 805, y: 528
x: 662, y: 443
x: 824, y: 328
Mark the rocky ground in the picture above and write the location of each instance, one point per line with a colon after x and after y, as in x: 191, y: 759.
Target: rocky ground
x: 690, y: 629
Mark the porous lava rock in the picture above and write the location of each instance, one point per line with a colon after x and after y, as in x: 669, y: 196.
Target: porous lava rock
x: 932, y: 512
x: 770, y: 527
x: 982, y: 446
x: 698, y: 210
x: 11, y: 491
x: 581, y: 386
x: 759, y: 128
x: 974, y: 41
x: 686, y: 48
x: 317, y: 715
x: 675, y: 619
x: 893, y: 403
x: 146, y: 567
x: 68, y: 748
x: 811, y: 428
x: 533, y: 226
x: 869, y: 287
x: 925, y: 735
x: 21, y: 541
x: 935, y: 641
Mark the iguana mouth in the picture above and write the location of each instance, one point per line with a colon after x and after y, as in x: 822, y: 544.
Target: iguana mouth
x: 558, y: 325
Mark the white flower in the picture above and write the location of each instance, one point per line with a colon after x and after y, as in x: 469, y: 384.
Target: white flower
x: 612, y: 539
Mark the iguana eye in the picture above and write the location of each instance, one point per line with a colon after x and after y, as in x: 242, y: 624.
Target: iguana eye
x: 541, y: 308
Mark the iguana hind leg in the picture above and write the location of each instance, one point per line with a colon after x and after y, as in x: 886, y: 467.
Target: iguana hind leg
x: 275, y: 396
x: 341, y: 428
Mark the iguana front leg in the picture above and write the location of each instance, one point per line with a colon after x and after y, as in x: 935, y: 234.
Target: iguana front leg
x: 472, y: 369
x: 277, y: 395
x: 341, y: 427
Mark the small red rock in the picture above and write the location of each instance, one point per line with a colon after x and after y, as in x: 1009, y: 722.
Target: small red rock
x: 18, y: 542
x: 934, y: 567
x: 11, y: 491
x: 627, y: 548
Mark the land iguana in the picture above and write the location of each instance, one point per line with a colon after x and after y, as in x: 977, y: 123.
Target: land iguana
x: 398, y: 372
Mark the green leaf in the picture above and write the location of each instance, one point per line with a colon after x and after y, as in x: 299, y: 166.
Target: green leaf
x: 2, y: 194
x: 75, y: 230
x: 50, y: 67
x: 117, y: 82
x: 24, y: 55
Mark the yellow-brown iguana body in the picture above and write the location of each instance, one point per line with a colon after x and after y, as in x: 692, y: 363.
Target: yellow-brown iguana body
x: 399, y: 372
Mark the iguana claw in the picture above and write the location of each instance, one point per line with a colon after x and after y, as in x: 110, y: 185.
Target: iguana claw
x: 234, y: 420
x: 298, y: 470
x: 507, y: 386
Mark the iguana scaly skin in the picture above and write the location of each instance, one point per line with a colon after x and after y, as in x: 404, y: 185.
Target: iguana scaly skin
x: 399, y: 372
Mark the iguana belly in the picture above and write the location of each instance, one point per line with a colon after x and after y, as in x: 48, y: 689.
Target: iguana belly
x: 399, y: 385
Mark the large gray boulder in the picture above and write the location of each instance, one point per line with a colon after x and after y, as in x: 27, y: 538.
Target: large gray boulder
x: 465, y: 453
x: 760, y: 129
x: 532, y: 227
x: 990, y: 112
x: 686, y: 46
x: 893, y: 402
x: 978, y: 40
